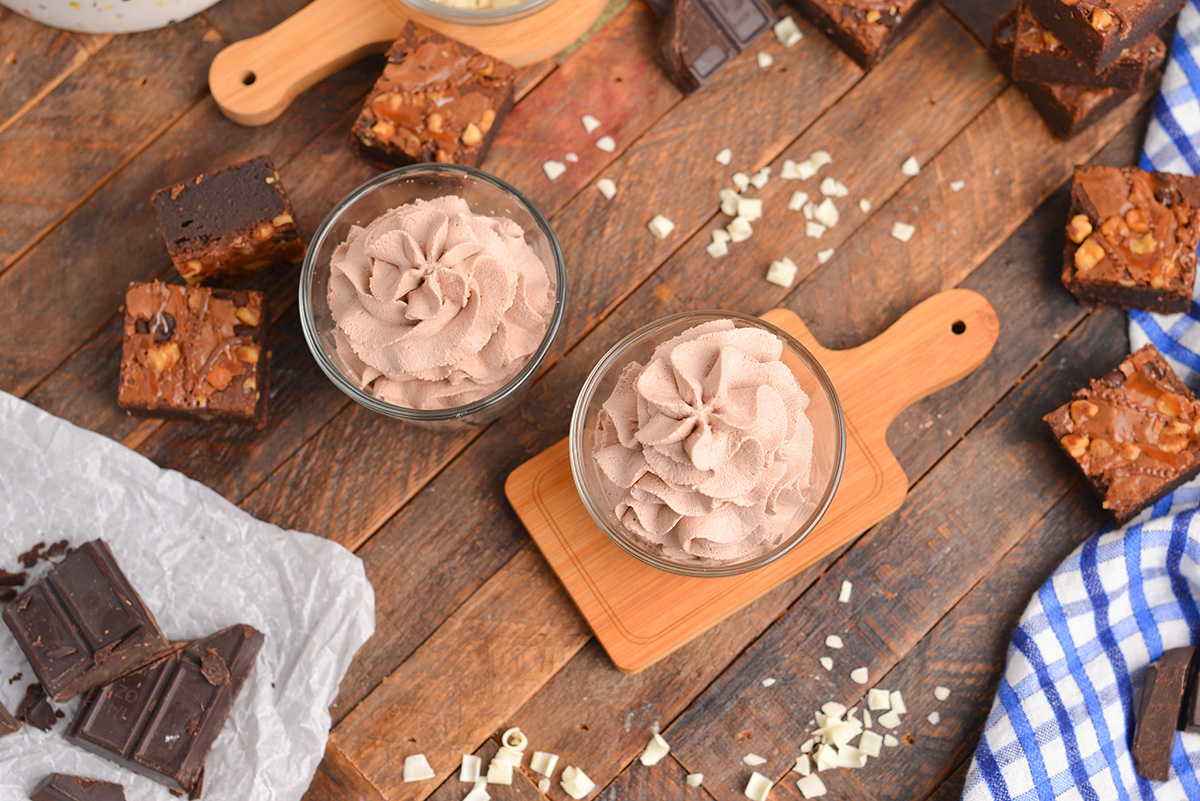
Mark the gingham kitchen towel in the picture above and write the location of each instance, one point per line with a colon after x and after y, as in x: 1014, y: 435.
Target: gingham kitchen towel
x: 1061, y: 723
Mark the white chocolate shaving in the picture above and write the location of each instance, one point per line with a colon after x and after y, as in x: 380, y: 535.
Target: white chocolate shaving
x: 864, y: 206
x: 898, y: 703
x: 754, y: 760
x: 695, y: 779
x: 750, y: 208
x: 499, y: 773
x: 827, y: 213
x: 832, y: 187
x: 741, y: 181
x: 478, y: 792
x: 718, y: 249
x: 416, y: 768
x: 576, y: 783
x: 543, y: 786
x: 866, y: 719
x: 660, y: 226
x: 833, y: 708
x: 859, y: 676
x: 729, y: 201
x: 768, y: 682
x: 911, y: 166
x: 572, y: 158
x: 888, y: 720
x: 543, y: 762
x: 789, y: 171
x: 844, y: 595
x: 515, y: 739
x: 607, y: 187
x: 809, y: 210
x: 758, y: 787
x: 834, y: 641
x: 870, y: 743
x: 890, y: 741
x: 760, y: 178
x: 826, y: 757
x: 826, y: 662
x: 903, y: 231
x: 807, y: 746
x: 811, y: 786
x: 788, y: 32
x: 941, y: 693
x: 803, y: 765
x: 851, y: 757
x: 957, y: 186
x: 509, y: 756
x: 725, y: 156
x: 934, y: 718
x: 739, y: 230
x: 797, y: 200
x: 472, y: 766
x: 879, y: 700
x: 590, y: 123
x: 765, y: 60
x: 782, y: 272
x: 814, y: 229
x: 655, y: 750
x: 607, y: 144
x: 554, y: 169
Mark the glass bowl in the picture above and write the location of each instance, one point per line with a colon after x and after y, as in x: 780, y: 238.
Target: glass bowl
x: 485, y: 194
x: 824, y: 411
x: 483, y: 16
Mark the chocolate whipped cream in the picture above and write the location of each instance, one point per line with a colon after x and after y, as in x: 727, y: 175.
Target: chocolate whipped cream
x: 435, y: 306
x: 705, y: 452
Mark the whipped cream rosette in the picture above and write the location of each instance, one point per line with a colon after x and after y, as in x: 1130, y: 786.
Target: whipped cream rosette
x: 706, y: 452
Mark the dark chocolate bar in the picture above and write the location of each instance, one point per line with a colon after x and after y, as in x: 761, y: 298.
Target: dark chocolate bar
x: 83, y: 624
x: 61, y: 787
x: 699, y: 37
x: 1159, y: 713
x: 8, y: 724
x: 161, y: 721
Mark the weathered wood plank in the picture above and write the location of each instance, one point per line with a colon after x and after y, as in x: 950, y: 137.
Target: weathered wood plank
x: 666, y: 781
x: 93, y: 123
x: 237, y: 21
x: 338, y: 780
x: 34, y: 59
x: 523, y: 788
x: 952, y: 788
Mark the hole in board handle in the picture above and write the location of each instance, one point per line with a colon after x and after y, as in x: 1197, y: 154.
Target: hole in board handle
x: 249, y: 78
x: 958, y: 327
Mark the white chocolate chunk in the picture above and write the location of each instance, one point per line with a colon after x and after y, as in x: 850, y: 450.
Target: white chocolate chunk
x: 803, y: 765
x: 898, y: 703
x: 788, y: 32
x: 768, y: 682
x: 750, y: 207
x: 826, y: 757
x: 543, y: 786
x: 607, y: 187
x: 576, y: 783
x: 472, y: 766
x: 758, y: 787
x: 833, y: 708
x: 832, y: 187
x: 890, y: 741
x: 478, y: 792
x: 903, y: 231
x: 718, y: 249
x: 824, y: 255
x: 416, y: 768
x: 509, y: 756
x: 725, y: 156
x: 741, y: 181
x: 811, y: 786
x: 888, y: 720
x: 807, y: 746
x: 543, y: 762
x: 934, y: 718
x: 870, y: 743
x: 844, y: 595
x: 834, y: 641
x: 864, y: 206
x: 859, y: 676
x: 827, y: 213
x: 754, y: 760
x: 655, y: 750
x: 814, y: 229
x: 729, y: 201
x: 695, y: 779
x: 607, y: 144
x: 515, y: 739
x: 851, y: 757
x: 590, y: 123
x: 739, y: 230
x: 941, y: 693
x: 789, y: 171
x: 911, y: 166
x: 572, y: 158
x: 958, y: 186
x: 765, y: 60
x: 554, y: 169
x: 820, y: 158
x: 720, y: 235
x: 866, y: 719
x: 842, y: 732
x: 797, y: 200
x: 499, y: 773
x: 878, y: 700
x: 661, y: 227
x: 782, y: 272
x: 826, y: 662
x: 760, y: 178
x: 809, y: 210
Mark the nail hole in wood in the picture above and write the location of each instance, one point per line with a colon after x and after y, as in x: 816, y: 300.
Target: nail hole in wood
x: 958, y: 327
x: 249, y: 78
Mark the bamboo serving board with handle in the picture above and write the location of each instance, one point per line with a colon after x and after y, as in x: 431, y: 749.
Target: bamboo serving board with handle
x: 641, y: 614
x: 254, y: 80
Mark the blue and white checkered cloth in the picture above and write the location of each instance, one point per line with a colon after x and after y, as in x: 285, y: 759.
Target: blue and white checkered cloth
x: 1061, y: 723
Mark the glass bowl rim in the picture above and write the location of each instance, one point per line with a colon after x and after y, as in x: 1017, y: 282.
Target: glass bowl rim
x: 624, y: 540
x: 486, y: 16
x: 350, y: 387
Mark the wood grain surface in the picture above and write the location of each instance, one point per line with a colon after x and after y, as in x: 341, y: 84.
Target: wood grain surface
x: 474, y: 632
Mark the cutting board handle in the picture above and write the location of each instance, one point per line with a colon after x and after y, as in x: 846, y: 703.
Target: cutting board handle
x: 936, y: 343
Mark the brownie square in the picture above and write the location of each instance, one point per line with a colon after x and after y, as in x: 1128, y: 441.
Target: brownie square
x: 865, y: 29
x: 437, y: 100
x: 228, y: 223
x: 1133, y: 433
x: 1040, y: 56
x: 1131, y: 238
x: 1097, y: 31
x: 195, y: 352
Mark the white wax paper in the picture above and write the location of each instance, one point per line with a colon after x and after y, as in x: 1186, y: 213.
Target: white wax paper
x: 200, y: 564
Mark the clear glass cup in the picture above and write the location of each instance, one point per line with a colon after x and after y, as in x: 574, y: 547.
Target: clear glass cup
x: 485, y: 194
x: 483, y: 16
x: 824, y: 411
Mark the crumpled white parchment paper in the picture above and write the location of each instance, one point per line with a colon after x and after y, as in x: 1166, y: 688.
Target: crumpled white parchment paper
x: 200, y: 564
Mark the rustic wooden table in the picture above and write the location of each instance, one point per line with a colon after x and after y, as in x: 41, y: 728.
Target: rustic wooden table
x: 474, y: 632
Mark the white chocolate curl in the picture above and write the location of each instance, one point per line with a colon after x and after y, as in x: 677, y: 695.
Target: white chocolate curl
x: 705, y: 452
x: 435, y: 306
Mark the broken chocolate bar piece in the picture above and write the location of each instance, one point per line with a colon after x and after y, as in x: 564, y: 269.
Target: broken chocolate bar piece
x: 231, y: 222
x: 438, y: 100
x: 8, y: 723
x: 161, y: 721
x: 83, y: 624
x: 35, y: 709
x: 865, y: 29
x: 699, y: 37
x: 1131, y: 238
x: 1159, y: 712
x: 62, y: 787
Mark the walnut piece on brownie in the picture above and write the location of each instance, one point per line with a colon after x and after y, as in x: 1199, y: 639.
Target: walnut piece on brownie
x: 1135, y: 433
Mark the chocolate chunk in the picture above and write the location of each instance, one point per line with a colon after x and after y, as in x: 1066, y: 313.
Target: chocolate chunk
x: 83, y: 624
x: 11, y: 579
x: 61, y: 787
x: 8, y: 723
x: 35, y: 709
x: 1159, y: 713
x: 699, y: 37
x: 161, y: 721
x: 40, y: 552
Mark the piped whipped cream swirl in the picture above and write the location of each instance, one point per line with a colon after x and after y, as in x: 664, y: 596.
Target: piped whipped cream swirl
x: 705, y: 452
x: 435, y: 306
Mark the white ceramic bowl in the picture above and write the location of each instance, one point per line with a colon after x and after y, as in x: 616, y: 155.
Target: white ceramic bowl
x: 118, y: 16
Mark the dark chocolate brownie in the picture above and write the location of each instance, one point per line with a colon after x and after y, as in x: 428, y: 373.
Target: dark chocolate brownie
x: 195, y: 352
x: 1040, y: 56
x: 1131, y: 238
x: 437, y: 100
x: 1096, y: 32
x: 1135, y: 433
x: 699, y: 37
x: 228, y: 223
x: 61, y: 787
x: 1163, y: 691
x: 865, y: 29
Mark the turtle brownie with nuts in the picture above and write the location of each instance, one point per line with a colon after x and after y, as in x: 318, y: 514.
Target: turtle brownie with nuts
x: 228, y: 223
x: 1098, y: 32
x: 194, y: 352
x: 1131, y: 238
x: 865, y: 29
x: 1135, y: 433
x: 438, y: 100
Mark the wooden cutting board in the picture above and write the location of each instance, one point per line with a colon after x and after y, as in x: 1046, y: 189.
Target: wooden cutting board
x: 254, y: 80
x: 641, y: 614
